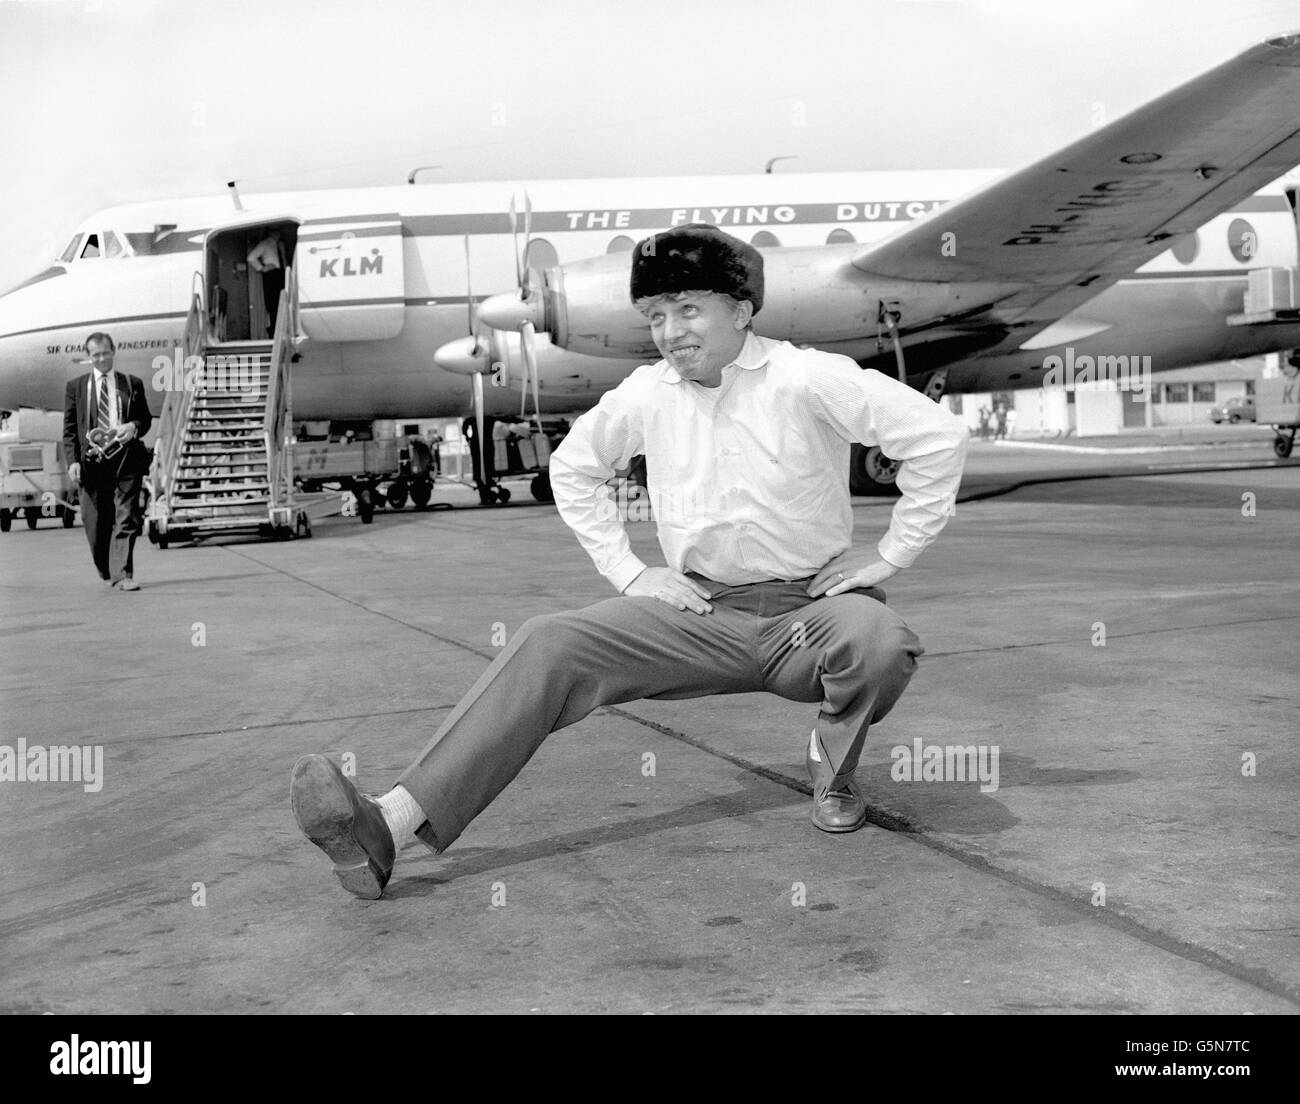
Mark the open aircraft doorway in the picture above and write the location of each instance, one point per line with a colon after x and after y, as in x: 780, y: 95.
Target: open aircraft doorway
x: 241, y: 294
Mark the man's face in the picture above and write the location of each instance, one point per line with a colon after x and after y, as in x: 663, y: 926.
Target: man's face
x: 697, y: 332
x: 101, y: 356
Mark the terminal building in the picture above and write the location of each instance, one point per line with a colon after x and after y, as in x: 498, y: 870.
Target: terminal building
x: 1183, y: 397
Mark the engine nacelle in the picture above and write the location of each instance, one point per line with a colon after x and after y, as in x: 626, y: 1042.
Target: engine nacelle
x: 811, y: 294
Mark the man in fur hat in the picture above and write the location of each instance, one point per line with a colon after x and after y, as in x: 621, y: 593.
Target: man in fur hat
x: 746, y: 442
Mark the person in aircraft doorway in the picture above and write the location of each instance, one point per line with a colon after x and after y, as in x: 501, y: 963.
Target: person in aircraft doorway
x: 270, y: 258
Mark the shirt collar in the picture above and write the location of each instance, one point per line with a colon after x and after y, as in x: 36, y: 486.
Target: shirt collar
x: 753, y: 354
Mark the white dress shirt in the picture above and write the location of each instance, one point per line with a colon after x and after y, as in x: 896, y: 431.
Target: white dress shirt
x: 749, y: 480
x: 265, y: 255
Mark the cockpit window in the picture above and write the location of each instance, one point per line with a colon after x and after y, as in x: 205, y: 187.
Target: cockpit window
x: 142, y: 243
x: 91, y: 248
x: 69, y: 254
x: 112, y: 245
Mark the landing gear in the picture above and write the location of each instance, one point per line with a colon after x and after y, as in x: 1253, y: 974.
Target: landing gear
x: 541, y: 487
x: 1283, y: 443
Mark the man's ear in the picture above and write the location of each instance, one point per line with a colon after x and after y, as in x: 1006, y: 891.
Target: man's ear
x: 744, y: 313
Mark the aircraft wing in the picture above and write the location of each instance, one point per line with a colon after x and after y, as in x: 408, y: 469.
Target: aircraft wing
x: 1082, y: 218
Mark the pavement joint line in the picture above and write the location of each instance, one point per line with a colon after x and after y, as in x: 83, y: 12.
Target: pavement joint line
x: 287, y: 723
x: 882, y: 818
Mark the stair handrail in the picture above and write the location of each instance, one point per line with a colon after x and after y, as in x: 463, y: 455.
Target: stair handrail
x: 279, y: 457
x: 183, y: 383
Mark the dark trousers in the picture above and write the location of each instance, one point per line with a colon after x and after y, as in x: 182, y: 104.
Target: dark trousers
x: 850, y: 653
x: 272, y: 285
x: 110, y: 512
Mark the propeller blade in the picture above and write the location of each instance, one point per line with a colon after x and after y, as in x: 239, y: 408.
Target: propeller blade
x: 478, y: 427
x: 514, y: 241
x: 525, y: 283
x: 469, y: 302
x: 527, y: 335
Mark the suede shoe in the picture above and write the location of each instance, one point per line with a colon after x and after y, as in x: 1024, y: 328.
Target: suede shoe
x: 348, y: 826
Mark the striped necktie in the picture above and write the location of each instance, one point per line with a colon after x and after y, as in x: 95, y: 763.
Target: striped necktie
x: 103, y: 419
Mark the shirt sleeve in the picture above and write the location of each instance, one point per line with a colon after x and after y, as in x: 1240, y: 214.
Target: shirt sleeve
x: 602, y: 440
x: 872, y: 409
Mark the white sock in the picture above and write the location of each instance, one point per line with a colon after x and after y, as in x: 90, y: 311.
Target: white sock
x: 812, y: 747
x: 402, y: 814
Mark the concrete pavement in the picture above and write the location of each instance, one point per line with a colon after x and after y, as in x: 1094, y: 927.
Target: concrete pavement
x: 1138, y: 854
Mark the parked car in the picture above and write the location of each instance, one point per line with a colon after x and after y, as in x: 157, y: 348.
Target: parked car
x: 1239, y: 408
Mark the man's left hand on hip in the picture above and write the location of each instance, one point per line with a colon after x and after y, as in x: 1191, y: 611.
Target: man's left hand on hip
x: 851, y: 571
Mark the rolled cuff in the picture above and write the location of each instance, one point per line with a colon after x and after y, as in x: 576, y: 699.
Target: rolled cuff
x: 894, y: 552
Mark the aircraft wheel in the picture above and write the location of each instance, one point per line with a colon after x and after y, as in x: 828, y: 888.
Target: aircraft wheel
x: 421, y: 492
x: 541, y: 488
x: 1282, y: 446
x: 33, y: 515
x: 871, y: 472
x: 6, y: 521
x: 397, y: 494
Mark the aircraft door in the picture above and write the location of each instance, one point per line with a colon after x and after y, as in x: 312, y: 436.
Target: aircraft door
x: 351, y: 284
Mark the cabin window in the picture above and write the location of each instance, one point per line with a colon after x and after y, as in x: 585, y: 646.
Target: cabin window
x: 70, y: 254
x: 91, y: 248
x: 839, y: 234
x: 541, y: 255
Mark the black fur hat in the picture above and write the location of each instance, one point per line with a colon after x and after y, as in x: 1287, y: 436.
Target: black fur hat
x: 697, y: 257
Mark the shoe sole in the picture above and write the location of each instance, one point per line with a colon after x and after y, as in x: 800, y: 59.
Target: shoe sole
x: 323, y: 810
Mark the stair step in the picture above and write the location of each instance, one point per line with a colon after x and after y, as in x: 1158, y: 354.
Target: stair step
x: 199, y: 455
x: 216, y: 440
x: 232, y: 485
x: 217, y: 503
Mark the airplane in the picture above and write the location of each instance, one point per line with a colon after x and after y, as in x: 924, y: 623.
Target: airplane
x: 1138, y: 240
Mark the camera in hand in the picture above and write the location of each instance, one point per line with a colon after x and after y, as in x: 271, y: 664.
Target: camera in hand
x: 103, y: 445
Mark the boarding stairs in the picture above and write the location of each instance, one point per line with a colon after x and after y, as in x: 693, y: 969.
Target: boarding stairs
x: 223, y: 461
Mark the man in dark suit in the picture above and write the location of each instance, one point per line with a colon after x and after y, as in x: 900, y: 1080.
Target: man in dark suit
x: 114, y: 403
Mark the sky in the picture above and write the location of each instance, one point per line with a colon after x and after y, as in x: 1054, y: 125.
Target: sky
x: 113, y: 101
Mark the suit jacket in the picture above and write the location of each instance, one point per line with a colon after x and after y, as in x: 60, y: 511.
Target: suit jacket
x: 80, y: 412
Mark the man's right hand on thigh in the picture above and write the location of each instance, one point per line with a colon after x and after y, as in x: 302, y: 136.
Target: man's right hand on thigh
x: 670, y: 586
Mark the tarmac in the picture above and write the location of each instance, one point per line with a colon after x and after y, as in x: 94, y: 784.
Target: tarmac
x: 1126, y: 642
